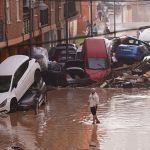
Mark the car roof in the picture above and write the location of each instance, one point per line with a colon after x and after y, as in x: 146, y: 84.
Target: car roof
x: 143, y: 27
x: 11, y: 64
x: 95, y: 47
x: 145, y: 35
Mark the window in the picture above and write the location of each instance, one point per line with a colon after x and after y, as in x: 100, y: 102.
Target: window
x: 8, y: 11
x: 20, y: 72
x: 44, y: 17
x: 5, y: 83
x: 17, y: 9
x: 97, y: 63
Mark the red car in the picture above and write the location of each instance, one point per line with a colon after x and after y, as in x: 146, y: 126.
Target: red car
x: 96, y: 58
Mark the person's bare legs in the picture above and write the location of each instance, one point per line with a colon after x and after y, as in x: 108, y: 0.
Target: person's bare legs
x: 97, y: 121
x: 94, y: 119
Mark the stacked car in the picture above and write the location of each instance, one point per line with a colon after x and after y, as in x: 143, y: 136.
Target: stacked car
x: 18, y: 73
x: 34, y: 97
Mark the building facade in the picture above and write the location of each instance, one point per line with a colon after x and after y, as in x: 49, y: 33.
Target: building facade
x: 86, y: 15
x: 27, y: 23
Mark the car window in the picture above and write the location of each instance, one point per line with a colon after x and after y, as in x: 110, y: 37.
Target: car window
x: 5, y: 82
x: 131, y: 41
x: 21, y: 70
x: 97, y: 63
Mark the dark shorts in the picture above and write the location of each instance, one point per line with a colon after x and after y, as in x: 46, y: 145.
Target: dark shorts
x: 93, y: 110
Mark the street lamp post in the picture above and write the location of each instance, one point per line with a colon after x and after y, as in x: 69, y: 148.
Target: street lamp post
x: 91, y: 11
x: 66, y: 30
x: 114, y: 19
x: 30, y: 26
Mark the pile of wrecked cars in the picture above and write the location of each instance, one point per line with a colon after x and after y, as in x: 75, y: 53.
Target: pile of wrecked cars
x: 134, y: 70
x: 90, y: 63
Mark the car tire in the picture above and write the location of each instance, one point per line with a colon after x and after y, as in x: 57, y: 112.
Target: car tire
x: 13, y: 106
x: 45, y: 98
x: 37, y: 76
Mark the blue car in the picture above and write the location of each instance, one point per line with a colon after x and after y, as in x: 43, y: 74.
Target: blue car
x: 131, y: 52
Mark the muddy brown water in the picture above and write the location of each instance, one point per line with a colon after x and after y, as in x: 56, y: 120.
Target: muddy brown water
x: 65, y: 123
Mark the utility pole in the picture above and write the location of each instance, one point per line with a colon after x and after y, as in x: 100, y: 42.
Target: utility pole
x: 30, y: 26
x: 66, y: 29
x: 91, y: 12
x: 5, y: 24
x: 114, y: 19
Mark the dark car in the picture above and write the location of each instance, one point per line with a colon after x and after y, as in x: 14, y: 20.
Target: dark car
x: 62, y: 53
x: 55, y: 75
x: 75, y: 73
x: 34, y: 97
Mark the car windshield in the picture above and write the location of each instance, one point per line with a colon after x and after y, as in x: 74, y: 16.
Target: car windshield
x: 97, y: 63
x: 5, y: 83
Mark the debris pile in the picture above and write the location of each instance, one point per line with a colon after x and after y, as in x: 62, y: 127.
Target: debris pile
x: 135, y: 75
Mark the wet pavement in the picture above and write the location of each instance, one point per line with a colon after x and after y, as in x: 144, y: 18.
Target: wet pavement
x: 65, y: 123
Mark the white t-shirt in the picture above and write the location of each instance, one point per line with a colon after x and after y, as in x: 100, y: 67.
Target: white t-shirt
x: 93, y: 99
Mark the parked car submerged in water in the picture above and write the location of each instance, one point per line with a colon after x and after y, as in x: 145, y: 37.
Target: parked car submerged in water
x: 17, y: 74
x: 34, y: 97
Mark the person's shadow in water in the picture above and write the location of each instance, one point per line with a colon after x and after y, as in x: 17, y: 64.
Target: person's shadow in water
x: 94, y: 145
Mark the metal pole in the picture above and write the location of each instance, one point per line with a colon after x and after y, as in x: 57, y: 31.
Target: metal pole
x: 30, y: 27
x: 67, y: 31
x: 91, y: 11
x: 5, y: 24
x: 114, y: 19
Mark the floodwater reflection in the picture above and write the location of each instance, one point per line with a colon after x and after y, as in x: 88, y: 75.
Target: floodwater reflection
x: 65, y: 122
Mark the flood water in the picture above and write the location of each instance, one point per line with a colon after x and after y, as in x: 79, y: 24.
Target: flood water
x: 65, y: 123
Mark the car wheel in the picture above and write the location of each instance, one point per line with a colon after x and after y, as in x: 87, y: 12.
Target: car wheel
x: 36, y: 109
x: 37, y: 76
x: 13, y: 106
x: 45, y: 98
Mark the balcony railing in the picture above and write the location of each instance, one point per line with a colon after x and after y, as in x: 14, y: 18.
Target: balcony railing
x: 26, y: 22
x: 1, y: 31
x: 26, y: 26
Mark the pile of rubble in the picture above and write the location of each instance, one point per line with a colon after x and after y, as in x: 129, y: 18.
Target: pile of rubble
x: 128, y: 76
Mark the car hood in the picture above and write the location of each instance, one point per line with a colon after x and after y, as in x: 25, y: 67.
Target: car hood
x: 3, y: 96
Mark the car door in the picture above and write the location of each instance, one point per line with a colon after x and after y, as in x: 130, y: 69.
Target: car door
x: 21, y: 80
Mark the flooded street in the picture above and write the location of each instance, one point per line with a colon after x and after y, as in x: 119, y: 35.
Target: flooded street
x: 65, y: 123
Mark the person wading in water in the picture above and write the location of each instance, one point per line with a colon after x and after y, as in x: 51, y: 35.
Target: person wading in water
x: 93, y: 103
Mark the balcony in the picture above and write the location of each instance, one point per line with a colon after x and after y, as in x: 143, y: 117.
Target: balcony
x: 1, y: 31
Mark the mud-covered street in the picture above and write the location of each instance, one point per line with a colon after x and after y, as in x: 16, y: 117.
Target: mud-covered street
x: 65, y: 123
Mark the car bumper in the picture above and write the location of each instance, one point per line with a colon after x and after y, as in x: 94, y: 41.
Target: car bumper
x: 6, y: 108
x: 25, y: 107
